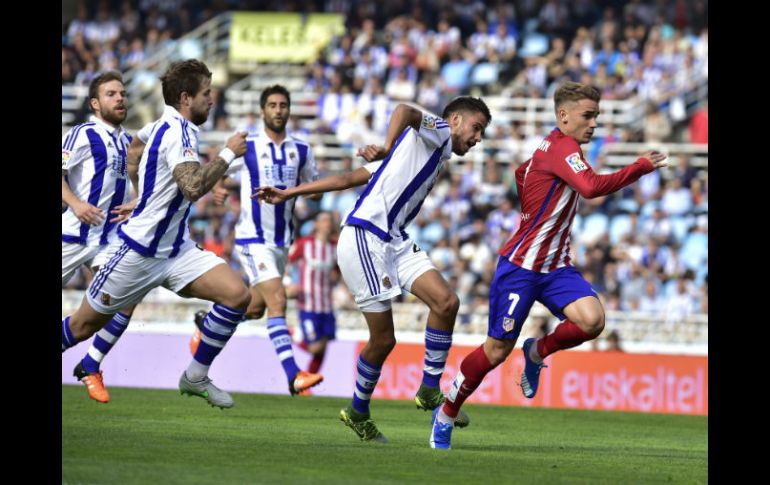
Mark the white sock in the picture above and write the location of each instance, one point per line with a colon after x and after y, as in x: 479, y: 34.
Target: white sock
x: 533, y: 353
x: 197, y: 371
x: 443, y: 418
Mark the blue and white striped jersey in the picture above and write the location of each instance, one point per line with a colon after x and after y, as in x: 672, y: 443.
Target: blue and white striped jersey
x: 402, y: 180
x: 284, y: 165
x: 94, y: 156
x: 158, y: 226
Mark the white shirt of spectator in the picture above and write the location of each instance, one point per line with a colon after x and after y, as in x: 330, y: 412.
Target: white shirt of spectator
x: 402, y: 180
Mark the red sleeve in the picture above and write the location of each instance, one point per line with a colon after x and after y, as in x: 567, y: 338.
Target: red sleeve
x: 569, y: 165
x: 519, y: 175
x: 296, y: 251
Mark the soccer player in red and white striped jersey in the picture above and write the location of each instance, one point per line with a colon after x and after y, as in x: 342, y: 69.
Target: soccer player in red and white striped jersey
x: 535, y: 264
x: 316, y: 256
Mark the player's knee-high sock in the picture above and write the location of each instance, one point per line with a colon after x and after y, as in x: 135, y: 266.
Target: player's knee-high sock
x: 218, y: 326
x: 367, y: 376
x: 67, y: 340
x: 279, y: 335
x: 566, y: 335
x: 103, y: 342
x: 315, y: 364
x: 437, y: 344
x: 472, y: 371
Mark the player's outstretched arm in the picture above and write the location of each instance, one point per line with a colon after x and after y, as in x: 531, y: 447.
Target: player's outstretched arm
x: 195, y: 180
x: 272, y: 195
x: 402, y: 117
x: 576, y: 172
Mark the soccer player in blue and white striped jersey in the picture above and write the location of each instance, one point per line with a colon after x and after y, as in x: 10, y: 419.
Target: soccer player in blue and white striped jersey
x: 96, y: 191
x: 377, y: 257
x: 154, y: 247
x: 264, y: 233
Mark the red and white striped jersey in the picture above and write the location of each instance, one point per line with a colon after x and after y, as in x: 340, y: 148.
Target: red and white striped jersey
x: 317, y: 259
x: 549, y: 185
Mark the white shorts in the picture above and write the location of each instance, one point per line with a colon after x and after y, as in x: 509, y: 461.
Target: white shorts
x: 127, y: 276
x: 262, y: 262
x: 73, y: 255
x: 375, y: 270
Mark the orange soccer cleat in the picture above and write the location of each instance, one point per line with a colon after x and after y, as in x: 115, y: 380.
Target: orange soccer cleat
x: 200, y: 315
x: 194, y: 341
x: 304, y: 381
x: 93, y: 382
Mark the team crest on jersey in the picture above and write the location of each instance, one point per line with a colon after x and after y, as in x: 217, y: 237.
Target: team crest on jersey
x: 386, y: 282
x: 189, y: 153
x: 575, y: 162
x: 429, y: 122
x: 508, y: 324
x: 265, y: 155
x: 262, y: 267
x: 105, y: 298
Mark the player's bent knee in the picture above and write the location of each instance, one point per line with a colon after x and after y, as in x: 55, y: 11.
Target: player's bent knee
x: 278, y: 303
x: 255, y: 312
x: 593, y: 326
x: 448, y: 306
x: 498, y: 355
x: 238, y: 298
x: 384, y: 344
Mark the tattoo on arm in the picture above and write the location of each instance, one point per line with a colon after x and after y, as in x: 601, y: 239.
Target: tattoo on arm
x: 195, y: 180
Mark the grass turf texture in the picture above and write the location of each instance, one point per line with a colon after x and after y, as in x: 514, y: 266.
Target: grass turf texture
x: 159, y: 437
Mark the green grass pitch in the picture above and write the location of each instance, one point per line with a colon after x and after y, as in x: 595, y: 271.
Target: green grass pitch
x: 159, y: 437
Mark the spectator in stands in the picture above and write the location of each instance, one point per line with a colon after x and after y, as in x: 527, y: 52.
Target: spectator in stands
x: 681, y: 303
x: 613, y: 342
x: 676, y: 199
x: 401, y: 88
x: 699, y: 125
x: 657, y: 127
x: 651, y: 302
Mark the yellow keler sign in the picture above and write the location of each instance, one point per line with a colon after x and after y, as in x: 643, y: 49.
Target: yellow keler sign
x: 282, y: 37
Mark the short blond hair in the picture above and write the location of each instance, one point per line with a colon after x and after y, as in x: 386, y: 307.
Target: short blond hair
x: 571, y: 91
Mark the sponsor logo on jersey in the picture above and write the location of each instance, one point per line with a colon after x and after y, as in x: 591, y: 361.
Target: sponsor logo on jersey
x: 575, y: 162
x: 508, y: 324
x: 429, y: 122
x: 544, y: 145
x: 415, y: 248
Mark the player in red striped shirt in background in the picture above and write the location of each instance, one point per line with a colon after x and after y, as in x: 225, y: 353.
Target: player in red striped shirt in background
x: 316, y: 257
x: 535, y: 263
